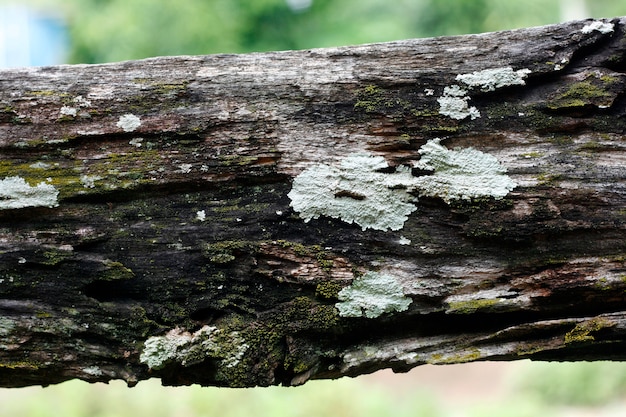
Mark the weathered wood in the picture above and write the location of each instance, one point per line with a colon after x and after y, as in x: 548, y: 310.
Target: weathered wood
x: 242, y: 220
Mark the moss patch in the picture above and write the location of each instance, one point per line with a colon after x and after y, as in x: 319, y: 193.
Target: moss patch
x: 582, y: 332
x: 471, y: 306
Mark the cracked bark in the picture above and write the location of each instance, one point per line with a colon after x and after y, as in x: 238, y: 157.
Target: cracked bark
x: 174, y: 251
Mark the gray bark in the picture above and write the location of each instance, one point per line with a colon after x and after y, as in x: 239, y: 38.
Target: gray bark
x: 261, y: 219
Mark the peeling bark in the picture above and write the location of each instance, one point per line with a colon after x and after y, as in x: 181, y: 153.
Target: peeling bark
x: 261, y: 219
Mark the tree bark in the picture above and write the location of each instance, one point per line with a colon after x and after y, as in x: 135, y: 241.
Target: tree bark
x: 262, y: 219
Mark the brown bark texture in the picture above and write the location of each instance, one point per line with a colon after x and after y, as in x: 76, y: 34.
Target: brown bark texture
x: 264, y: 219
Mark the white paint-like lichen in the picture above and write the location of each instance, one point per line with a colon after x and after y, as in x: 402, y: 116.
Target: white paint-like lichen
x: 68, y: 111
x: 201, y: 215
x: 185, y: 348
x: 361, y: 190
x: 355, y: 192
x: 128, y: 122
x: 39, y: 165
x: 461, y: 174
x: 372, y: 295
x: 455, y: 104
x: 89, y: 181
x: 16, y: 193
x: 185, y: 168
x: 598, y: 25
x: 491, y: 79
x: 136, y: 142
x: 93, y: 371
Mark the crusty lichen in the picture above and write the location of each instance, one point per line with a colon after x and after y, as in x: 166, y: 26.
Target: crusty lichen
x: 372, y: 295
x: 184, y: 348
x: 461, y: 174
x: 16, y: 193
x: 362, y: 190
x: 355, y: 192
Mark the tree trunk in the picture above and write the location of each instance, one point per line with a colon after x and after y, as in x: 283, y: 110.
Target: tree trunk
x: 261, y: 219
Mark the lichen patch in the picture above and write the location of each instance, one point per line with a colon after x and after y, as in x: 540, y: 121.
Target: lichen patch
x: 598, y: 25
x: 493, y: 78
x: 185, y: 348
x: 455, y: 104
x: 355, y: 192
x: 128, y: 122
x: 16, y: 193
x: 363, y: 191
x: 372, y: 295
x: 461, y: 174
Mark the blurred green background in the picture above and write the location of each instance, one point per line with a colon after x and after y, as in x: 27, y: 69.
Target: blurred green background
x: 113, y: 30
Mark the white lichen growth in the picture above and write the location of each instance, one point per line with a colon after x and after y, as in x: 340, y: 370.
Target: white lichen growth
x: 455, y: 104
x: 362, y: 190
x: 81, y: 101
x: 128, y: 122
x: 186, y: 349
x: 461, y: 174
x: 89, y: 181
x: 93, y: 371
x: 68, y: 111
x: 201, y: 215
x: 40, y: 165
x: 185, y: 168
x: 372, y: 295
x: 598, y: 25
x: 136, y: 142
x: 355, y: 192
x: 491, y: 79
x: 16, y: 193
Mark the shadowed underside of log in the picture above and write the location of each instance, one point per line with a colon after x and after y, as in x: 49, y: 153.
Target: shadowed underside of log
x: 262, y: 219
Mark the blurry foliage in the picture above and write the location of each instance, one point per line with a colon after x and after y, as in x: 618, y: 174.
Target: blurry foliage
x: 537, y: 389
x: 583, y: 383
x: 114, y: 30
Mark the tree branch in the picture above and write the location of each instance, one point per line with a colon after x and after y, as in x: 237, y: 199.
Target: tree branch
x: 241, y: 220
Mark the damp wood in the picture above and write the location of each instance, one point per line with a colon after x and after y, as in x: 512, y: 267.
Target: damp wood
x: 264, y: 219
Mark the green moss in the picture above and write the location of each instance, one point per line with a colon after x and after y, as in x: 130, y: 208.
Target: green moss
x: 315, y: 251
x: 116, y: 271
x: 52, y: 257
x: 548, y: 179
x: 469, y: 355
x: 328, y: 289
x: 580, y: 94
x: 24, y: 365
x: 581, y: 333
x: 226, y: 251
x: 471, y: 306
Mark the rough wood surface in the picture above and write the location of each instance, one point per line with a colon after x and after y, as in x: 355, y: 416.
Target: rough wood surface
x: 241, y: 220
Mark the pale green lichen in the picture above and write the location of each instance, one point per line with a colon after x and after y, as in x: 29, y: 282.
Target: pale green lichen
x: 6, y: 326
x: 93, y: 371
x: 362, y: 191
x: 493, y: 78
x: 461, y: 174
x: 455, y: 104
x: 355, y: 192
x: 16, y: 193
x: 185, y: 348
x: 598, y: 25
x: 128, y: 122
x: 372, y: 295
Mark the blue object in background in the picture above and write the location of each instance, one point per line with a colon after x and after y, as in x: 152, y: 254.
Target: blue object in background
x: 31, y: 38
